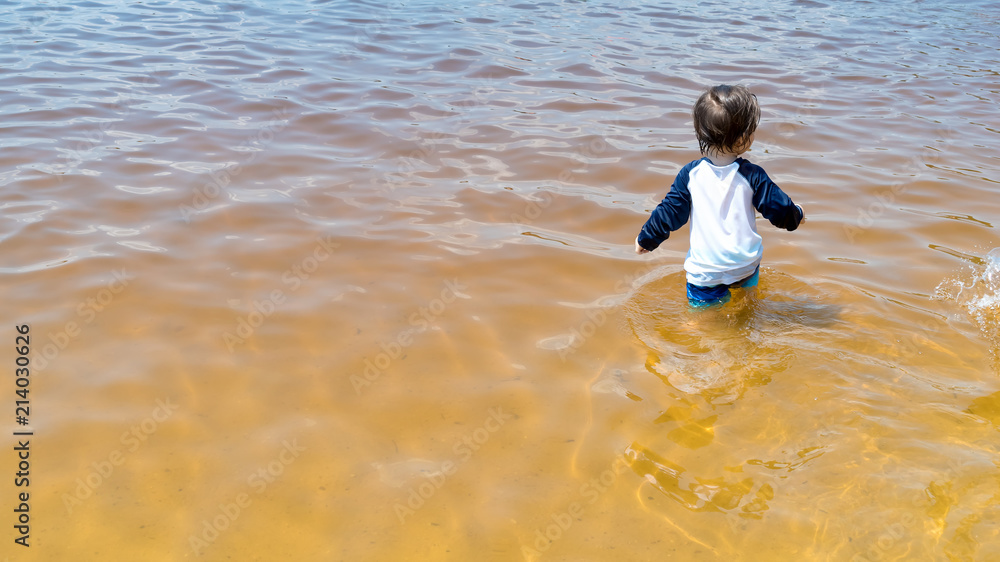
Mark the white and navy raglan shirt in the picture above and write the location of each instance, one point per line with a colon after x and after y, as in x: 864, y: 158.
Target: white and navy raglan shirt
x: 720, y: 200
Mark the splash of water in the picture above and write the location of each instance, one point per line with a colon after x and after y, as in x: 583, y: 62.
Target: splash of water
x: 978, y: 292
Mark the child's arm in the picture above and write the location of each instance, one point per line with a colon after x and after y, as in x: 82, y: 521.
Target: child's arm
x: 672, y: 213
x: 773, y: 204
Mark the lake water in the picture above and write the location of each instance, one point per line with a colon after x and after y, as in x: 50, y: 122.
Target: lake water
x: 355, y: 281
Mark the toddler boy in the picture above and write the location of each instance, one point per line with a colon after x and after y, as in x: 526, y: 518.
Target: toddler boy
x: 720, y: 192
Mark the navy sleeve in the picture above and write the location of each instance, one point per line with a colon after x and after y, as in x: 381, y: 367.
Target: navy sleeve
x: 670, y: 214
x: 768, y: 198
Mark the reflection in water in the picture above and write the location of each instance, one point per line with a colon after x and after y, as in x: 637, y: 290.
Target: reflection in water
x: 721, y: 493
x: 690, y: 433
x: 720, y: 352
x: 804, y: 456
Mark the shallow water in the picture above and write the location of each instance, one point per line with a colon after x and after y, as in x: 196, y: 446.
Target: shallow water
x: 355, y: 281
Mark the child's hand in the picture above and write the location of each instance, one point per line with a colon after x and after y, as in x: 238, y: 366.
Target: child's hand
x: 801, y: 211
x: 639, y: 249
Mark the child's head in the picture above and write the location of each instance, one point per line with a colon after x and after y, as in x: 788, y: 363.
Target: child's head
x: 725, y: 118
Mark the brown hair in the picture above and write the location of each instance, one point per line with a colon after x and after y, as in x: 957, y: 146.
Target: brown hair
x: 724, y: 118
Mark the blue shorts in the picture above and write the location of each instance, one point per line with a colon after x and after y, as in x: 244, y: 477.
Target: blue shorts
x: 718, y: 294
